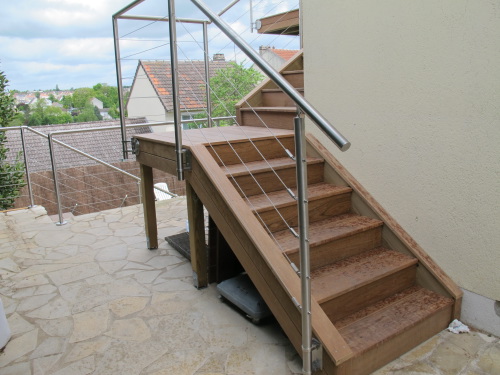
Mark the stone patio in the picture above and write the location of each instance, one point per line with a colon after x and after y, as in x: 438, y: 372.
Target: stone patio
x: 89, y: 298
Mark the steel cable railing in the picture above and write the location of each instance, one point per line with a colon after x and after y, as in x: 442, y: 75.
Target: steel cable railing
x: 301, y: 103
x: 85, y: 188
x: 330, y: 131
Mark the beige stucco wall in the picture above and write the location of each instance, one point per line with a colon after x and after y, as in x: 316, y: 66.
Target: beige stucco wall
x: 415, y: 86
x: 144, y: 101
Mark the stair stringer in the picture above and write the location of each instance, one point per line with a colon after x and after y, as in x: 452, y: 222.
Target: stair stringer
x: 262, y: 260
x: 429, y: 274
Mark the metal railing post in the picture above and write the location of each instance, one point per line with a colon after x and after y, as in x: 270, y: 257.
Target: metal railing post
x: 207, y: 74
x: 56, y: 182
x: 303, y: 208
x: 28, y: 179
x: 301, y: 23
x: 172, y: 24
x: 120, y: 88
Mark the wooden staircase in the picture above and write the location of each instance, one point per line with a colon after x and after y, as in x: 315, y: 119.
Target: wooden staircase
x: 370, y: 292
x: 376, y: 294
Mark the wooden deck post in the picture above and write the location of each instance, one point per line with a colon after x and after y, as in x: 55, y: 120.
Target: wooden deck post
x: 148, y: 203
x: 198, y: 248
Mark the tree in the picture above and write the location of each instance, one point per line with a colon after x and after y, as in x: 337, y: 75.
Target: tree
x: 87, y: 114
x: 11, y: 171
x: 52, y: 98
x: 229, y: 85
x: 67, y: 101
x: 55, y: 115
x: 82, y: 97
x: 109, y: 97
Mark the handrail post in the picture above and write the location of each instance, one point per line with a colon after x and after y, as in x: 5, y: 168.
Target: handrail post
x: 175, y: 88
x: 28, y: 179
x: 121, y: 105
x: 207, y: 74
x: 56, y: 183
x: 303, y: 208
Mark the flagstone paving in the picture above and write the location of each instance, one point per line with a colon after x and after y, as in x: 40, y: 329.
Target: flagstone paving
x: 89, y: 298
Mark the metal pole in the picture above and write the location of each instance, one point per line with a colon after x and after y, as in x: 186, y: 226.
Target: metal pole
x: 228, y: 7
x: 251, y: 16
x: 175, y: 88
x: 28, y: 179
x: 56, y: 183
x: 305, y: 276
x: 120, y: 88
x: 207, y: 74
x: 301, y: 24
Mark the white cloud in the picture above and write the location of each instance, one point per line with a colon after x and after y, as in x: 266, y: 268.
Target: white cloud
x: 70, y: 42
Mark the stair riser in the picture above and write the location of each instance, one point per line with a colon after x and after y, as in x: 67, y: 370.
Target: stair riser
x: 296, y: 79
x: 279, y: 120
x: 389, y: 350
x: 331, y: 252
x: 277, y: 99
x: 248, y: 185
x: 360, y: 298
x: 319, y: 209
x: 235, y: 153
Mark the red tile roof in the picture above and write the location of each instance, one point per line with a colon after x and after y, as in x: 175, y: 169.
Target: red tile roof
x: 191, y: 81
x: 285, y: 54
x: 105, y: 145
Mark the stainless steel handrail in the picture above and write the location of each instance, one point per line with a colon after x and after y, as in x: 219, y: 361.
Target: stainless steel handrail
x: 332, y: 133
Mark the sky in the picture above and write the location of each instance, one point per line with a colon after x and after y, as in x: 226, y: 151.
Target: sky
x: 69, y: 43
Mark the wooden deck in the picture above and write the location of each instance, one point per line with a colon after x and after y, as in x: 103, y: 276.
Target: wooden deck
x: 208, y: 136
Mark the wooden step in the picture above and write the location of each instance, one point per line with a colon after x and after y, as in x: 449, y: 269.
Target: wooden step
x: 334, y: 239
x: 245, y: 151
x: 295, y: 77
x: 382, y: 332
x: 267, y: 176
x: 278, y: 210
x: 271, y: 117
x: 277, y: 98
x: 354, y: 283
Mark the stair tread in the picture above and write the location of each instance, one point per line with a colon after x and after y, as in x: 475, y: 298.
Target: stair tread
x: 356, y: 271
x: 389, y: 317
x: 328, y: 230
x: 263, y: 202
x: 292, y: 72
x: 269, y: 109
x: 264, y: 165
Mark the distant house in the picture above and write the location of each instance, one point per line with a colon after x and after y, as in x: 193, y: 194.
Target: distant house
x: 275, y: 57
x: 151, y: 92
x: 97, y: 103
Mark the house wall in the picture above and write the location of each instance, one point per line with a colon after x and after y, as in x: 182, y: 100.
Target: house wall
x: 273, y: 59
x: 415, y: 86
x: 144, y: 101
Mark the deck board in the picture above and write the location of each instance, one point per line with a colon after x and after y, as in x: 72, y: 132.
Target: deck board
x: 215, y: 135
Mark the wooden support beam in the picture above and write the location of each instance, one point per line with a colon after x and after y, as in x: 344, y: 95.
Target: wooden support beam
x: 199, y: 258
x: 148, y: 203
